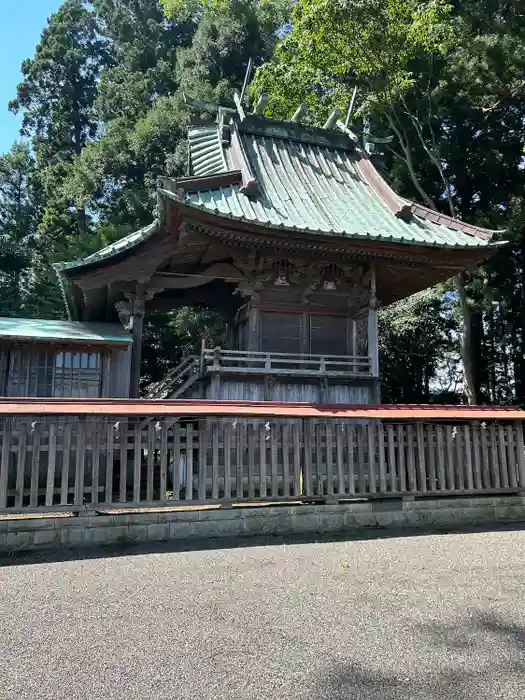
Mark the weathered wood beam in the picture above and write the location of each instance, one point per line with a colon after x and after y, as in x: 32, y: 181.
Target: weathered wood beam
x: 176, y: 280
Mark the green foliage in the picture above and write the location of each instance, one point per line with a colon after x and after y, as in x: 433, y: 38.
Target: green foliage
x: 333, y: 46
x: 169, y: 336
x: 419, y: 356
x: 18, y: 216
x: 60, y: 83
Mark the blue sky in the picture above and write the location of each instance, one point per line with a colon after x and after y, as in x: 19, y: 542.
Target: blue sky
x: 21, y: 23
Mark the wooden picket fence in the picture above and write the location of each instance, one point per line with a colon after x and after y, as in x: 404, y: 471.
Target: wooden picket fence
x: 65, y: 462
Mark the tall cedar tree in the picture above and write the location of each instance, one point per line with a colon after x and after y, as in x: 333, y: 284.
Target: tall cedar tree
x: 56, y: 99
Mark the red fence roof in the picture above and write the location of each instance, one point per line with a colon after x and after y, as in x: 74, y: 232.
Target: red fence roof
x: 266, y: 409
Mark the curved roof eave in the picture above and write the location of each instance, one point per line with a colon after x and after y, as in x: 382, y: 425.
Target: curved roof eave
x: 483, y: 244
x: 127, y: 243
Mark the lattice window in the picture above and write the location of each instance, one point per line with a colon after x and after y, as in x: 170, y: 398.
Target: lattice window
x: 64, y: 374
x: 78, y: 374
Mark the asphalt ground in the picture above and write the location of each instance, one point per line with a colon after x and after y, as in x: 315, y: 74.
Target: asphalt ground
x: 426, y: 617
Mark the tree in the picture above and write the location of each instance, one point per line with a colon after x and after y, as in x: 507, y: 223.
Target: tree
x: 60, y: 84
x: 19, y: 208
x: 424, y: 332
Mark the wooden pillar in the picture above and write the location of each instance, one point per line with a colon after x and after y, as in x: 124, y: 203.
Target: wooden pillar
x: 131, y: 314
x: 373, y: 341
x: 137, y: 326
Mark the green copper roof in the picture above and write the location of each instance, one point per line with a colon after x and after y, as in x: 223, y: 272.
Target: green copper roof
x: 318, y: 189
x: 302, y: 179
x: 54, y: 331
x: 129, y: 241
x: 206, y: 152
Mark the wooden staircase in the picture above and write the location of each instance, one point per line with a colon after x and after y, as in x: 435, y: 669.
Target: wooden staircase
x: 178, y: 381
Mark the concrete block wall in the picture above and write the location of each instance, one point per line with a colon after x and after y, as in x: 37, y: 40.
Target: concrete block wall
x: 35, y: 534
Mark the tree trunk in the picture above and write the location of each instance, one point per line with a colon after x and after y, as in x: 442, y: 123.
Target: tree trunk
x: 467, y: 349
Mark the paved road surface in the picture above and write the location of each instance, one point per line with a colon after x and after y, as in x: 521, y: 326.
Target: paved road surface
x: 404, y: 618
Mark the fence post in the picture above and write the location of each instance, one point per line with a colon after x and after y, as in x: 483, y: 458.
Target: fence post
x: 520, y: 448
x: 4, y: 464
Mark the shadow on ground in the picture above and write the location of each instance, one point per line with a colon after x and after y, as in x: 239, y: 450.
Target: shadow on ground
x: 487, y: 651
x: 116, y: 550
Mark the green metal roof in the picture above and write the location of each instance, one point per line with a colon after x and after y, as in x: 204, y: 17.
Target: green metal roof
x: 129, y: 241
x: 206, y: 152
x: 54, y: 331
x: 317, y: 189
x: 308, y: 179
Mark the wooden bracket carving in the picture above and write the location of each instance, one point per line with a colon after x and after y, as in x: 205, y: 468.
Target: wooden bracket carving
x: 135, y: 304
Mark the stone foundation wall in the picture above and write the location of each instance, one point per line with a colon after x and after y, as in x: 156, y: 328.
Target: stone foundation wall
x: 38, y: 533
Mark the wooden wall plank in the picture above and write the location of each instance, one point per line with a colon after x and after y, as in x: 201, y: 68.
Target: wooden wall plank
x: 203, y: 450
x: 449, y: 442
x: 329, y: 459
x: 163, y: 458
x: 350, y: 442
x: 468, y: 457
x: 137, y: 463
x: 21, y: 463
x: 411, y: 458
x: 35, y: 465
x: 494, y: 461
x: 319, y: 490
x: 188, y: 479
x: 381, y: 458
x: 476, y: 453
x: 441, y: 459
x: 66, y: 456
x: 286, y: 459
x: 150, y: 462
x: 431, y: 453
x: 421, y: 457
x: 391, y: 458
x: 178, y: 464
x: 340, y: 456
x: 7, y: 434
x: 80, y: 462
x: 262, y: 460
x: 215, y: 460
x: 402, y: 457
x: 502, y: 453
x: 123, y: 467
x: 308, y: 447
x: 372, y: 445
x: 459, y: 456
x: 485, y: 459
x: 520, y: 450
x: 240, y: 440
x: 362, y: 441
x: 110, y: 458
x: 296, y: 438
x: 96, y: 429
x: 274, y: 463
x: 511, y: 456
